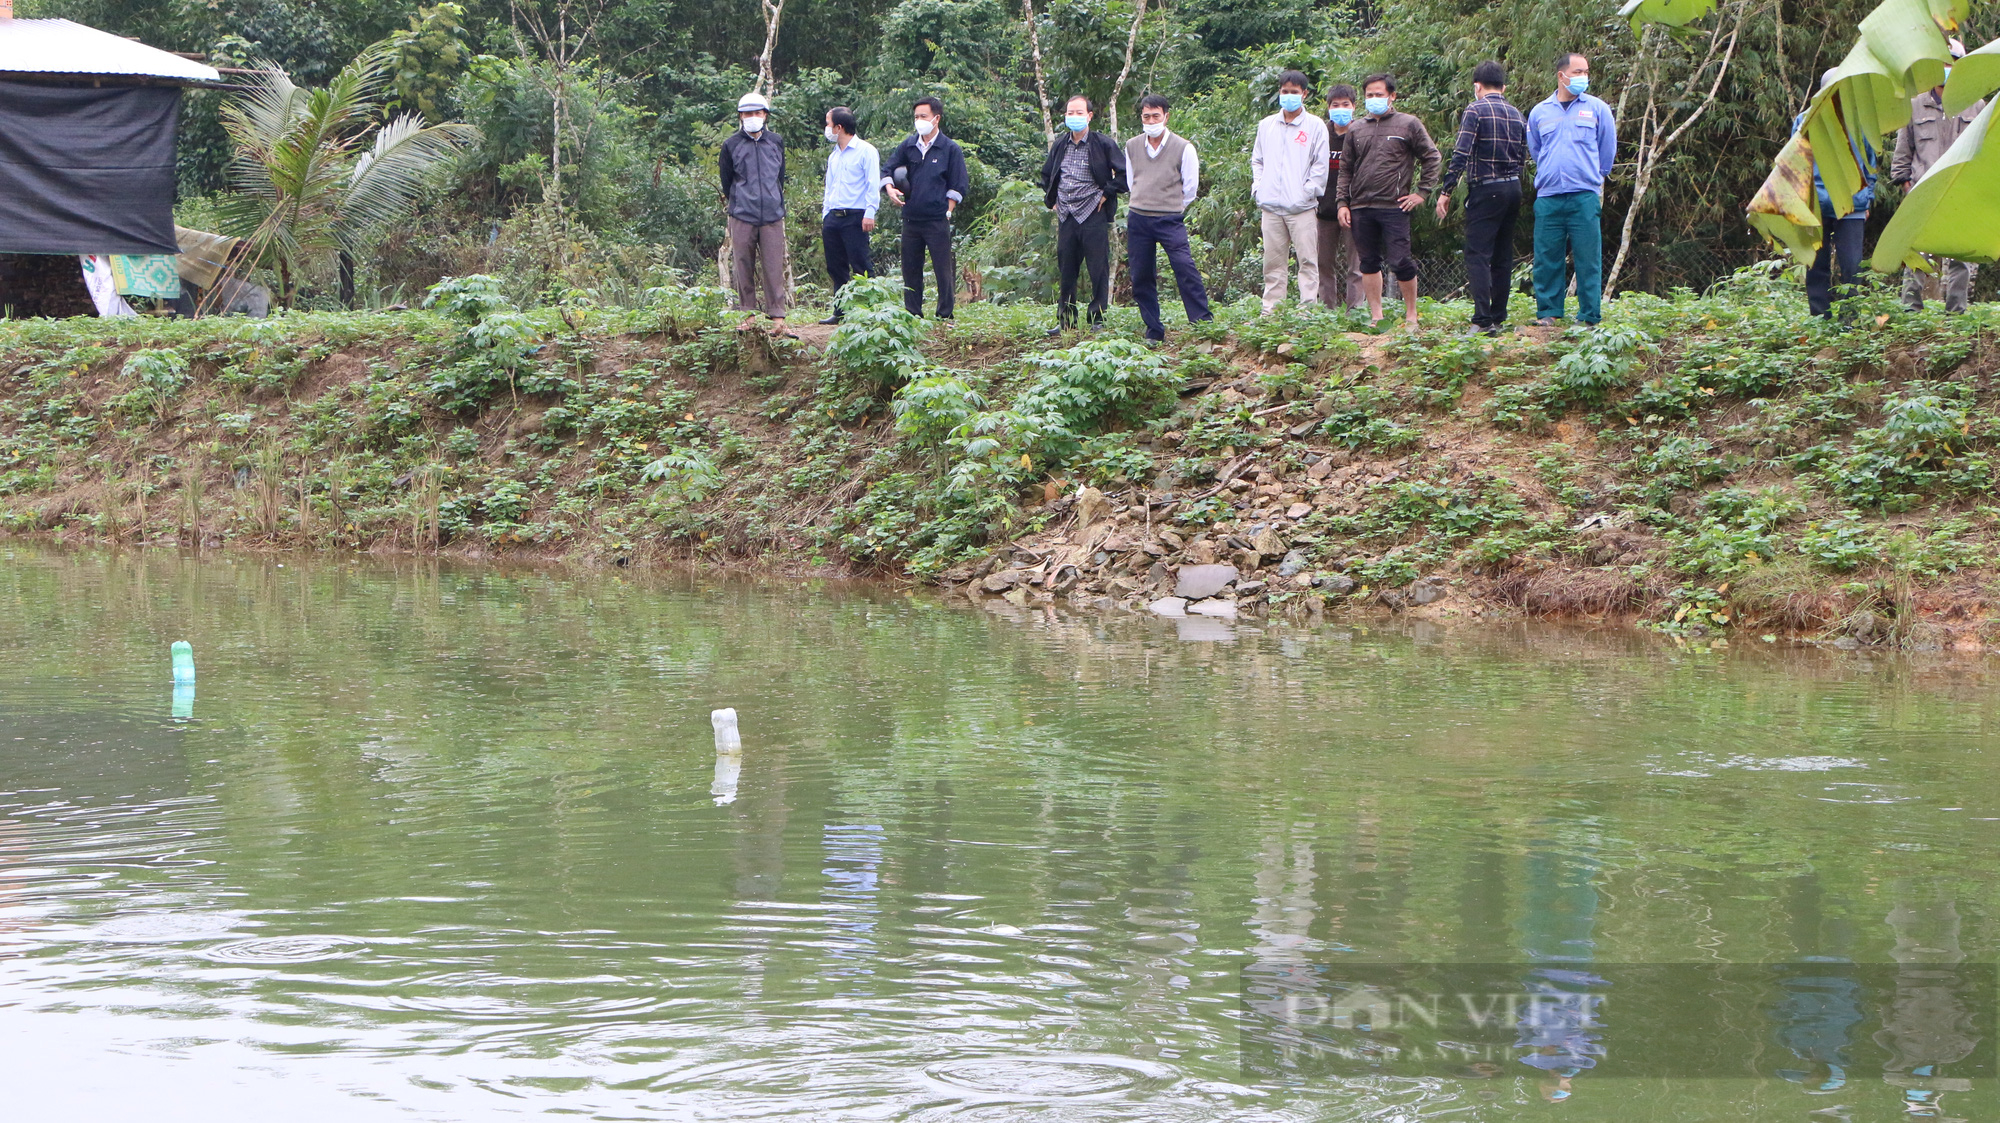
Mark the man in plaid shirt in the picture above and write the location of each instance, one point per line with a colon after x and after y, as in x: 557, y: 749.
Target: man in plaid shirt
x: 1492, y: 149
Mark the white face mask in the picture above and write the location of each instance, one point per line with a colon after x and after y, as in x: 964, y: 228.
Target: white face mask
x: 831, y: 135
x: 925, y: 125
x: 754, y: 123
x: 1156, y: 131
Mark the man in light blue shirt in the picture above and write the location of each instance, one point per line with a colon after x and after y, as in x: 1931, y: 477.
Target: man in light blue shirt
x: 1573, y: 140
x: 847, y: 210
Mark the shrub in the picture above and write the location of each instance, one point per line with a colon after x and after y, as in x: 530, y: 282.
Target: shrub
x: 876, y: 342
x: 930, y: 408
x: 1110, y: 459
x: 1439, y: 369
x: 507, y: 502
x: 1841, y: 546
x: 468, y: 299
x: 1596, y: 363
x: 1921, y: 445
x: 1453, y: 511
x: 1355, y: 420
x: 1308, y: 333
x: 682, y: 311
x: 1101, y: 381
x: 687, y: 472
x: 161, y: 375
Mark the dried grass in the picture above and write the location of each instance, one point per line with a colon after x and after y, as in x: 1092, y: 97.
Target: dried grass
x: 1570, y: 592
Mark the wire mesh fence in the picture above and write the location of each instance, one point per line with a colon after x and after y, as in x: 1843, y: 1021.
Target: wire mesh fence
x: 1648, y: 268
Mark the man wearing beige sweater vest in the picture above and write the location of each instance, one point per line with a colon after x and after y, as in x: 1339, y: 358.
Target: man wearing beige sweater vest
x: 1164, y: 172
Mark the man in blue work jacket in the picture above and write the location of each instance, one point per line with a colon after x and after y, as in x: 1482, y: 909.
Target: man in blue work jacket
x: 1573, y: 140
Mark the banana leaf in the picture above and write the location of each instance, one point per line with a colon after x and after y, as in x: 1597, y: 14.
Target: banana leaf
x: 1901, y: 52
x: 1786, y: 209
x: 1973, y: 77
x: 1950, y: 211
x: 1909, y: 37
x: 1672, y: 13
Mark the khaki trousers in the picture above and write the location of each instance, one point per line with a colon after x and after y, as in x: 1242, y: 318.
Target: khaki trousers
x: 1339, y: 266
x: 1298, y: 236
x: 753, y: 249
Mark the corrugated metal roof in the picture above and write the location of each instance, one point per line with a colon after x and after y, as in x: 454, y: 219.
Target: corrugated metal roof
x: 57, y: 46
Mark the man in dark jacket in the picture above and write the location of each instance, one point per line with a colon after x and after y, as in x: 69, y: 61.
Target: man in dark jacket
x: 753, y: 193
x: 1081, y: 180
x: 1339, y: 264
x: 1380, y: 155
x: 926, y: 176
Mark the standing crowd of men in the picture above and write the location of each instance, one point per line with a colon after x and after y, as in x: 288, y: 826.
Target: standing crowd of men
x: 1334, y: 195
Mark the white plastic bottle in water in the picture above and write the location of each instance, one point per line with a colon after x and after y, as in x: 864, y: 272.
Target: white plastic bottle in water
x: 728, y: 756
x: 727, y: 740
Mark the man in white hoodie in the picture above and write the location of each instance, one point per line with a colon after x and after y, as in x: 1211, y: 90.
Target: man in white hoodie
x: 1287, y: 178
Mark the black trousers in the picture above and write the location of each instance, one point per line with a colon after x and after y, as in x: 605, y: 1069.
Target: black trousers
x: 846, y: 247
x: 1490, y: 210
x: 1382, y: 237
x: 1078, y: 243
x: 1145, y: 235
x: 933, y: 234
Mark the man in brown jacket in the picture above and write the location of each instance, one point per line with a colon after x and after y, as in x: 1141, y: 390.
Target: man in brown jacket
x: 1378, y: 157
x: 1918, y: 146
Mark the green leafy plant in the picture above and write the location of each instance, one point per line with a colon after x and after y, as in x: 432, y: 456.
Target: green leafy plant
x: 1694, y: 610
x: 1100, y: 381
x: 1596, y: 362
x: 930, y: 408
x: 876, y: 342
x: 687, y: 472
x: 1355, y: 420
x: 161, y: 375
x: 468, y: 299
x: 1841, y: 545
x: 1923, y: 444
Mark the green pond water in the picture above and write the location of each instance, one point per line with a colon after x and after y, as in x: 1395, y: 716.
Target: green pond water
x: 455, y: 843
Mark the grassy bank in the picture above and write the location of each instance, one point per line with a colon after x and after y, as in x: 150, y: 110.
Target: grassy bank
x: 1711, y: 466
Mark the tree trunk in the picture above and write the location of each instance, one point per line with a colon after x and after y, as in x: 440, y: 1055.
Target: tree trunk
x: 347, y: 280
x: 1124, y: 72
x: 1041, y: 80
x: 1650, y: 152
x: 767, y: 79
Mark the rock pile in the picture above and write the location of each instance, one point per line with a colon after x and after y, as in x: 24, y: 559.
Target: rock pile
x: 1108, y: 551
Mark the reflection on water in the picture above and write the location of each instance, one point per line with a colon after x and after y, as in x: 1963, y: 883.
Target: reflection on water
x: 464, y: 844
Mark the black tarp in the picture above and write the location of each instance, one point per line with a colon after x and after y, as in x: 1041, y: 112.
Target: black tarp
x: 87, y: 170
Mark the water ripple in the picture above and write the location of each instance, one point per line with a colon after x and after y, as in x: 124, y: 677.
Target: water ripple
x: 285, y: 949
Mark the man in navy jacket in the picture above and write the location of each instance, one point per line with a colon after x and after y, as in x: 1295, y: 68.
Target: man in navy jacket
x: 926, y: 177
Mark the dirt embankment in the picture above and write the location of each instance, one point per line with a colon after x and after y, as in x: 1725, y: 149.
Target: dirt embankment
x: 1284, y: 541
x: 1299, y: 474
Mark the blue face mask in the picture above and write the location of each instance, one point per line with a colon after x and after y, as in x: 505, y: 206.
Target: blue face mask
x: 1291, y: 103
x: 1579, y: 84
x: 1341, y: 115
x: 1077, y: 122
x: 1377, y: 106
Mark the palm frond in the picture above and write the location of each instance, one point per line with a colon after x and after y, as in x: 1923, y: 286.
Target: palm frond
x: 387, y: 177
